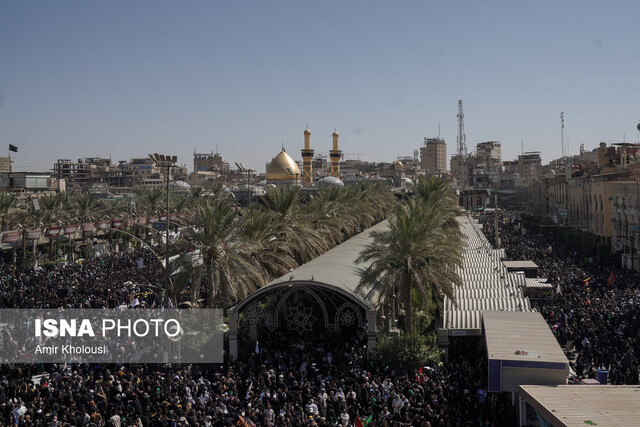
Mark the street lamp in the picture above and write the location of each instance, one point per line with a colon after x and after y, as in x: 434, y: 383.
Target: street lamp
x: 248, y: 172
x: 168, y: 162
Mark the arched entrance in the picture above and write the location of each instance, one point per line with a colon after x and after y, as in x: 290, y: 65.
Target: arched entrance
x: 301, y: 309
x: 317, y: 296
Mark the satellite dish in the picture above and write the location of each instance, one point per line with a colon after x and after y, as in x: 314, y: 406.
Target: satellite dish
x: 618, y: 246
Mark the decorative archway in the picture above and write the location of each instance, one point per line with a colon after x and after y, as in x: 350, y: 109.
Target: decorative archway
x: 300, y: 308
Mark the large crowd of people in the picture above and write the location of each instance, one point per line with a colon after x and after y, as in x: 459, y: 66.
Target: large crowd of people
x: 103, y: 282
x: 292, y: 383
x: 595, y: 312
x: 315, y: 380
x: 321, y: 380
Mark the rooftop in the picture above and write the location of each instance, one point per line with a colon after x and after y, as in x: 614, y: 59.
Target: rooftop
x: 521, y: 336
x: 519, y: 264
x: 580, y: 405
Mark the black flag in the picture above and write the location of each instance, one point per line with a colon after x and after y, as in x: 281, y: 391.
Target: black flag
x: 13, y: 148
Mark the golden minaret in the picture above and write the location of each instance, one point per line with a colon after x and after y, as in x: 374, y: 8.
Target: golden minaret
x: 335, y: 155
x: 307, y: 158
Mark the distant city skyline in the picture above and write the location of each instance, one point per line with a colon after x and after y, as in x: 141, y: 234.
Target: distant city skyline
x: 124, y: 79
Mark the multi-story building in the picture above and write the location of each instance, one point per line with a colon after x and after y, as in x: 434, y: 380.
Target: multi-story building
x: 209, y: 162
x: 90, y: 173
x: 5, y: 164
x: 490, y: 150
x: 27, y: 182
x: 606, y: 204
x: 101, y: 175
x: 433, y: 156
x: 530, y: 167
x: 480, y: 170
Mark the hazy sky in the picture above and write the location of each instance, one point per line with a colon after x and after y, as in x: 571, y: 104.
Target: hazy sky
x: 125, y: 78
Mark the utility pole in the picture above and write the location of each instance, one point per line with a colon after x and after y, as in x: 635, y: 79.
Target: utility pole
x: 161, y: 161
x: 562, y: 132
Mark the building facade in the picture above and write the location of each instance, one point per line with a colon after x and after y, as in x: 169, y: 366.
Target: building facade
x: 605, y: 204
x: 433, y: 156
x: 530, y: 167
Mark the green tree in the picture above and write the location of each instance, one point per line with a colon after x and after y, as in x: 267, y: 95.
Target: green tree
x: 274, y: 255
x: 293, y: 225
x: 151, y: 199
x: 196, y: 193
x: 84, y: 207
x: 408, y: 352
x: 441, y: 194
x: 418, y: 252
x: 52, y: 212
x: 226, y: 264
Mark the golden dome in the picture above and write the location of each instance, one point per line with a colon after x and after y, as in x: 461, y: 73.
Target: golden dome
x: 397, y: 165
x: 307, y: 131
x: 278, y: 169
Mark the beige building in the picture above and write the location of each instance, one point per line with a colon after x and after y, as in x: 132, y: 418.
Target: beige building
x: 530, y: 167
x: 5, y: 164
x: 606, y: 204
x: 209, y: 162
x: 433, y: 156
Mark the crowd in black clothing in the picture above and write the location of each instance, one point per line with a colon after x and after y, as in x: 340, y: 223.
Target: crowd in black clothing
x: 95, y: 283
x: 597, y: 319
x: 293, y: 383
x: 318, y: 380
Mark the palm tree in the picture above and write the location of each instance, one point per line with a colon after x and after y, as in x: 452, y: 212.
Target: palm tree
x: 25, y: 219
x: 416, y: 254
x: 376, y: 200
x: 273, y: 255
x: 151, y: 199
x: 292, y: 223
x: 226, y: 262
x: 84, y: 207
x: 440, y: 192
x: 51, y: 206
x: 330, y: 213
x: 197, y: 195
x: 180, y: 204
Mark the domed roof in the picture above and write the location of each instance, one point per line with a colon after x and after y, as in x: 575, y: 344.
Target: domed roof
x: 407, y: 181
x: 329, y: 181
x: 283, y: 168
x: 335, y: 133
x: 398, y: 165
x: 179, y: 185
x: 307, y: 131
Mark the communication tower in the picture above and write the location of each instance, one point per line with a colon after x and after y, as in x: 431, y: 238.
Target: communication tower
x: 462, y: 148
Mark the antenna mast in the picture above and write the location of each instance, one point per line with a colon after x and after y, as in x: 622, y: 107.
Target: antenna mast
x: 562, y: 132
x: 462, y: 147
